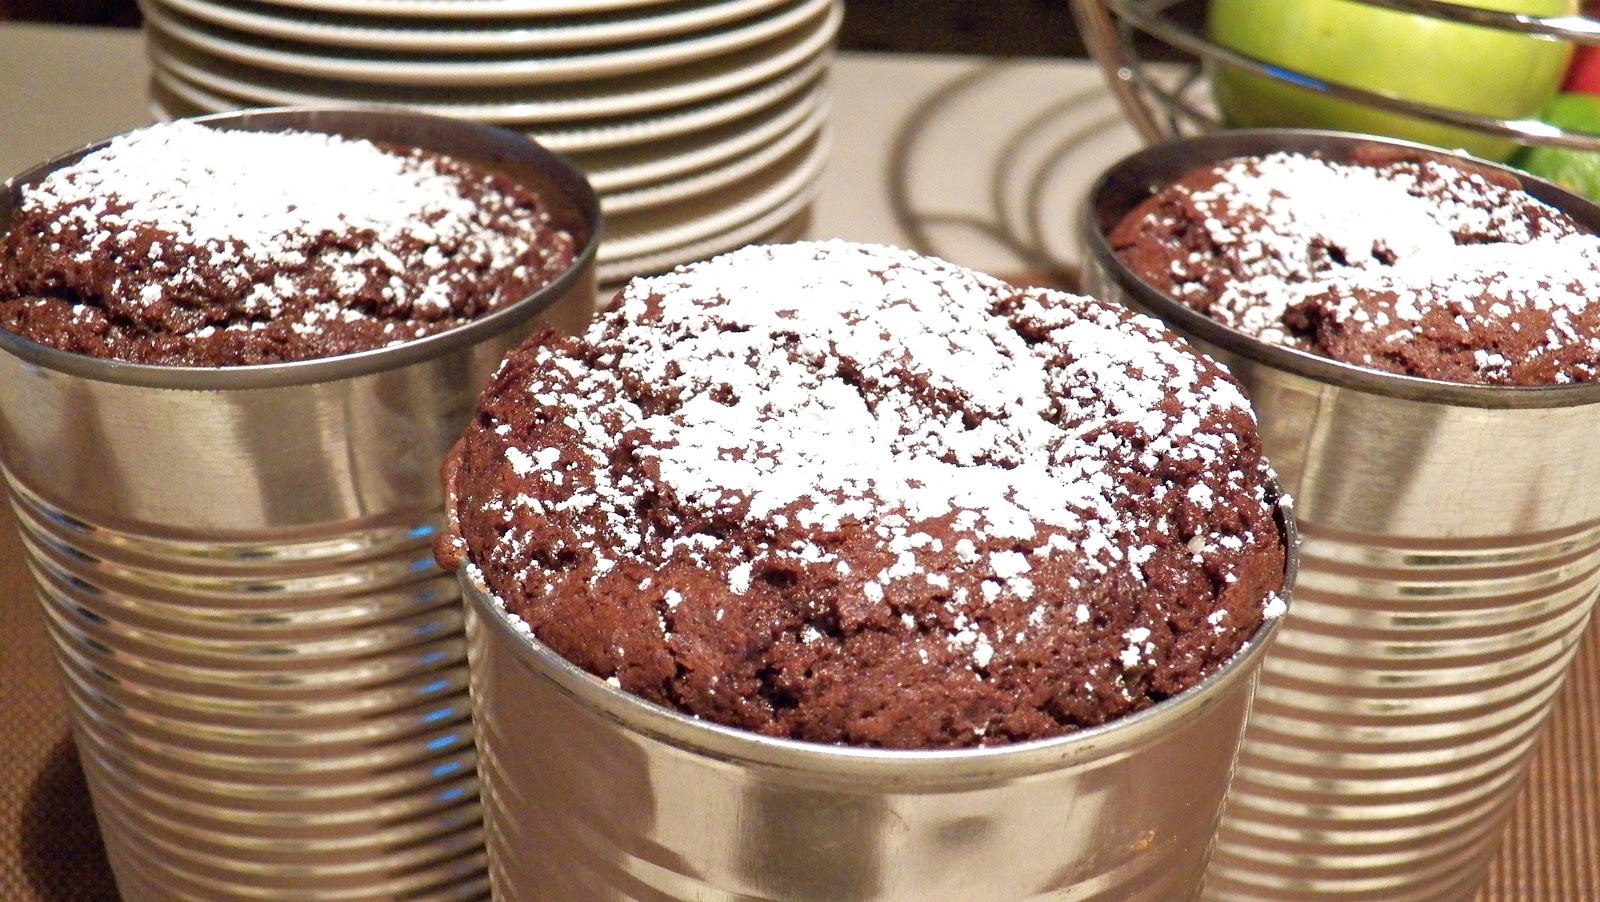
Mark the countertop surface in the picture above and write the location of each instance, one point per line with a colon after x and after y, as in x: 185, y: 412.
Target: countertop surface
x: 981, y: 161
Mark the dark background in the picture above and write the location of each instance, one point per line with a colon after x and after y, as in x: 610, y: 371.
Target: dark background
x: 985, y: 27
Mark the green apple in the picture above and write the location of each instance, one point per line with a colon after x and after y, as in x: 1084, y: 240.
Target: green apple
x: 1449, y: 64
x: 1576, y: 170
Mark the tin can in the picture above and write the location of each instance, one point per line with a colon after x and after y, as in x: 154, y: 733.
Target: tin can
x: 591, y: 793
x: 265, y: 670
x: 1449, y: 564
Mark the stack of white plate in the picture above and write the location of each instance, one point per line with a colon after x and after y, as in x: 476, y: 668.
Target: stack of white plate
x: 701, y: 123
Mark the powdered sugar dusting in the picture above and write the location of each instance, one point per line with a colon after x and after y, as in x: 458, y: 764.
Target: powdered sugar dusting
x: 201, y: 230
x: 1290, y: 218
x: 791, y: 430
x: 789, y: 392
x: 1400, y: 264
x: 1535, y: 300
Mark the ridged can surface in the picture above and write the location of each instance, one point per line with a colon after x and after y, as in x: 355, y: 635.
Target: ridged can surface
x: 265, y: 670
x: 590, y: 793
x: 1449, y: 563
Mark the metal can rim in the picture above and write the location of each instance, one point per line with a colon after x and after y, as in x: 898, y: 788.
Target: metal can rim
x: 573, y: 201
x: 1143, y: 172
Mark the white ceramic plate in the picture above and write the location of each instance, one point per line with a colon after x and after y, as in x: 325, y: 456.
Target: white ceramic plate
x: 175, y: 97
x: 528, y: 106
x: 611, y: 171
x: 694, y: 119
x: 464, y: 9
x: 612, y: 144
x: 712, y: 180
x: 470, y: 35
x: 662, y: 228
x: 320, y: 62
x: 784, y: 222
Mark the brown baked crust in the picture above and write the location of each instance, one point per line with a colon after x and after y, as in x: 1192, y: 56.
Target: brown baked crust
x: 787, y: 575
x: 1398, y: 260
x: 98, y: 265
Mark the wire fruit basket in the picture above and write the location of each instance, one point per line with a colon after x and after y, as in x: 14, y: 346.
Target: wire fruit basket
x: 1162, y: 105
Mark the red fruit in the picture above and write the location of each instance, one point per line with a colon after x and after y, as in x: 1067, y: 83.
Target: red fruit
x: 1583, y: 73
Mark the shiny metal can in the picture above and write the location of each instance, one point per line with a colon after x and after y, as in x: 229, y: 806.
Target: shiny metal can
x: 591, y: 793
x: 265, y: 669
x: 1450, y: 560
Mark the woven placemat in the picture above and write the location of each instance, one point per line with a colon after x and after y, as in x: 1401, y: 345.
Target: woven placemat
x: 1551, y: 850
x: 50, y: 849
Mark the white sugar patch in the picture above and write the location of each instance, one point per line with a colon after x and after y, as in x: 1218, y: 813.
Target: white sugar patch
x: 1297, y: 225
x: 1138, y: 646
x: 522, y: 463
x: 795, y: 432
x: 1558, y: 279
x: 254, y: 199
x: 792, y: 390
x: 1275, y: 607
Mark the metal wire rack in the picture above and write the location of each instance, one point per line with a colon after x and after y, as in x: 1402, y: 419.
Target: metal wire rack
x: 1161, y: 105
